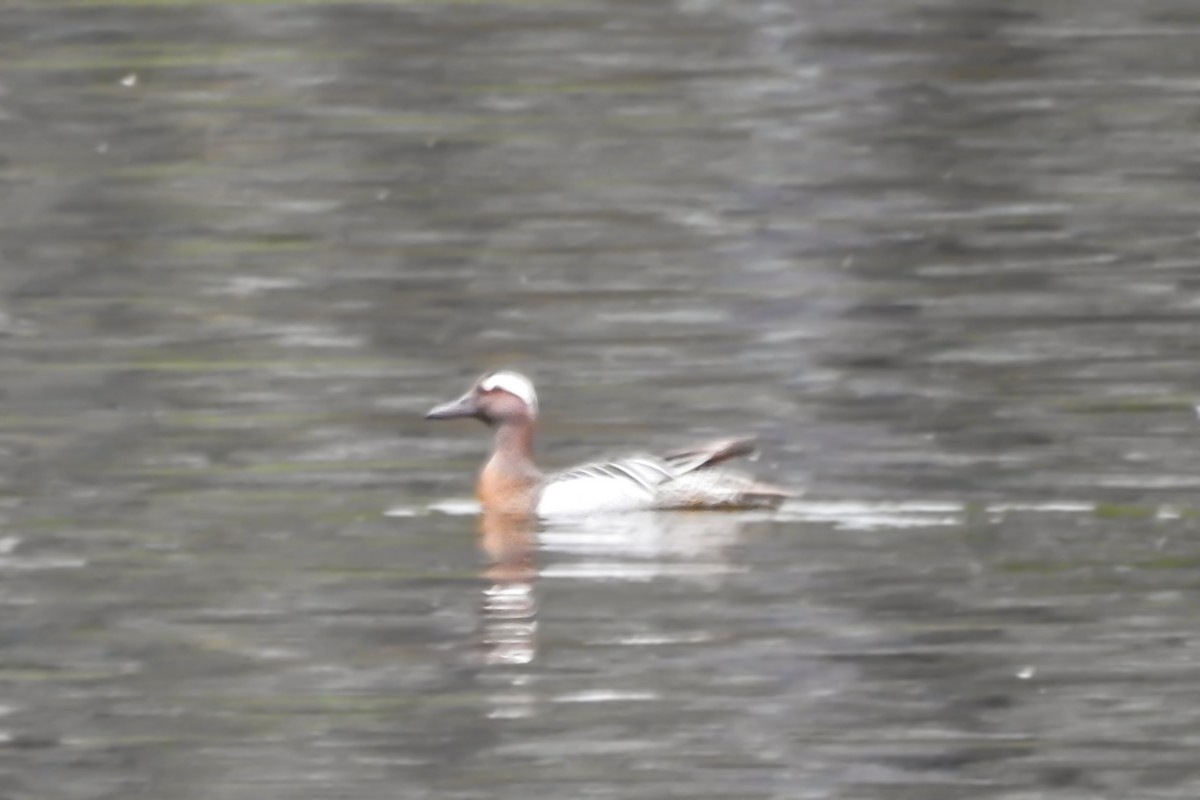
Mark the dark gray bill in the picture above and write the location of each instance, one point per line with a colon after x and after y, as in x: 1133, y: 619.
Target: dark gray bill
x: 464, y: 406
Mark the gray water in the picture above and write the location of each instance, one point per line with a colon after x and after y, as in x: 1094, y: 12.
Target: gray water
x: 939, y: 256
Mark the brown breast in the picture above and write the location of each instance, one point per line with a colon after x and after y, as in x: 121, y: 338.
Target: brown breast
x: 507, y: 488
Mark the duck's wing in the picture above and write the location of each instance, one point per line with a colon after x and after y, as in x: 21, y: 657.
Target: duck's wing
x: 644, y: 471
x: 710, y: 454
x: 687, y: 479
x: 624, y: 484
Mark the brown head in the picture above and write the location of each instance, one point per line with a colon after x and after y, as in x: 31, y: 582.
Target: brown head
x: 496, y: 398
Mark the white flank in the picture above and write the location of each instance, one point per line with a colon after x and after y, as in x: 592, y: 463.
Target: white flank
x: 589, y: 494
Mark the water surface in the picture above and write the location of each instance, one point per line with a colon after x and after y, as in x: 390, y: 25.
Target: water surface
x: 939, y: 256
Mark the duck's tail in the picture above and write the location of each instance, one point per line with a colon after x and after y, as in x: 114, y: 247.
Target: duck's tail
x: 765, y: 495
x: 698, y: 485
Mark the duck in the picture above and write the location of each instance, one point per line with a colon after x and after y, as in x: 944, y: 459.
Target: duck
x: 510, y: 482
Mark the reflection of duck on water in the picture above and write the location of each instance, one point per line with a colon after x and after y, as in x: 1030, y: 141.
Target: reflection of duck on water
x: 633, y: 547
x: 688, y: 479
x: 509, y: 607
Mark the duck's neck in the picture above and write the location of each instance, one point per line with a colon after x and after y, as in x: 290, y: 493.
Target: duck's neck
x: 513, y: 445
x: 510, y: 479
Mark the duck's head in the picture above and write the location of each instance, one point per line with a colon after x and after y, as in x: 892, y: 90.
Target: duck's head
x: 496, y: 398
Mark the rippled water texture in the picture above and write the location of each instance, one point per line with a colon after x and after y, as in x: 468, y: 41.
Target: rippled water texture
x: 940, y: 256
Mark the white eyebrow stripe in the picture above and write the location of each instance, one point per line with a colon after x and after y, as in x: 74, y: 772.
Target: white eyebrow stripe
x: 515, y: 384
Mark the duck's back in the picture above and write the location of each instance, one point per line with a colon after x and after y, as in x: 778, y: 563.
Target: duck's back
x: 687, y: 479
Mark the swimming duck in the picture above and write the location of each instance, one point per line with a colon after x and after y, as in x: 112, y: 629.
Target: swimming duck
x: 511, y: 483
